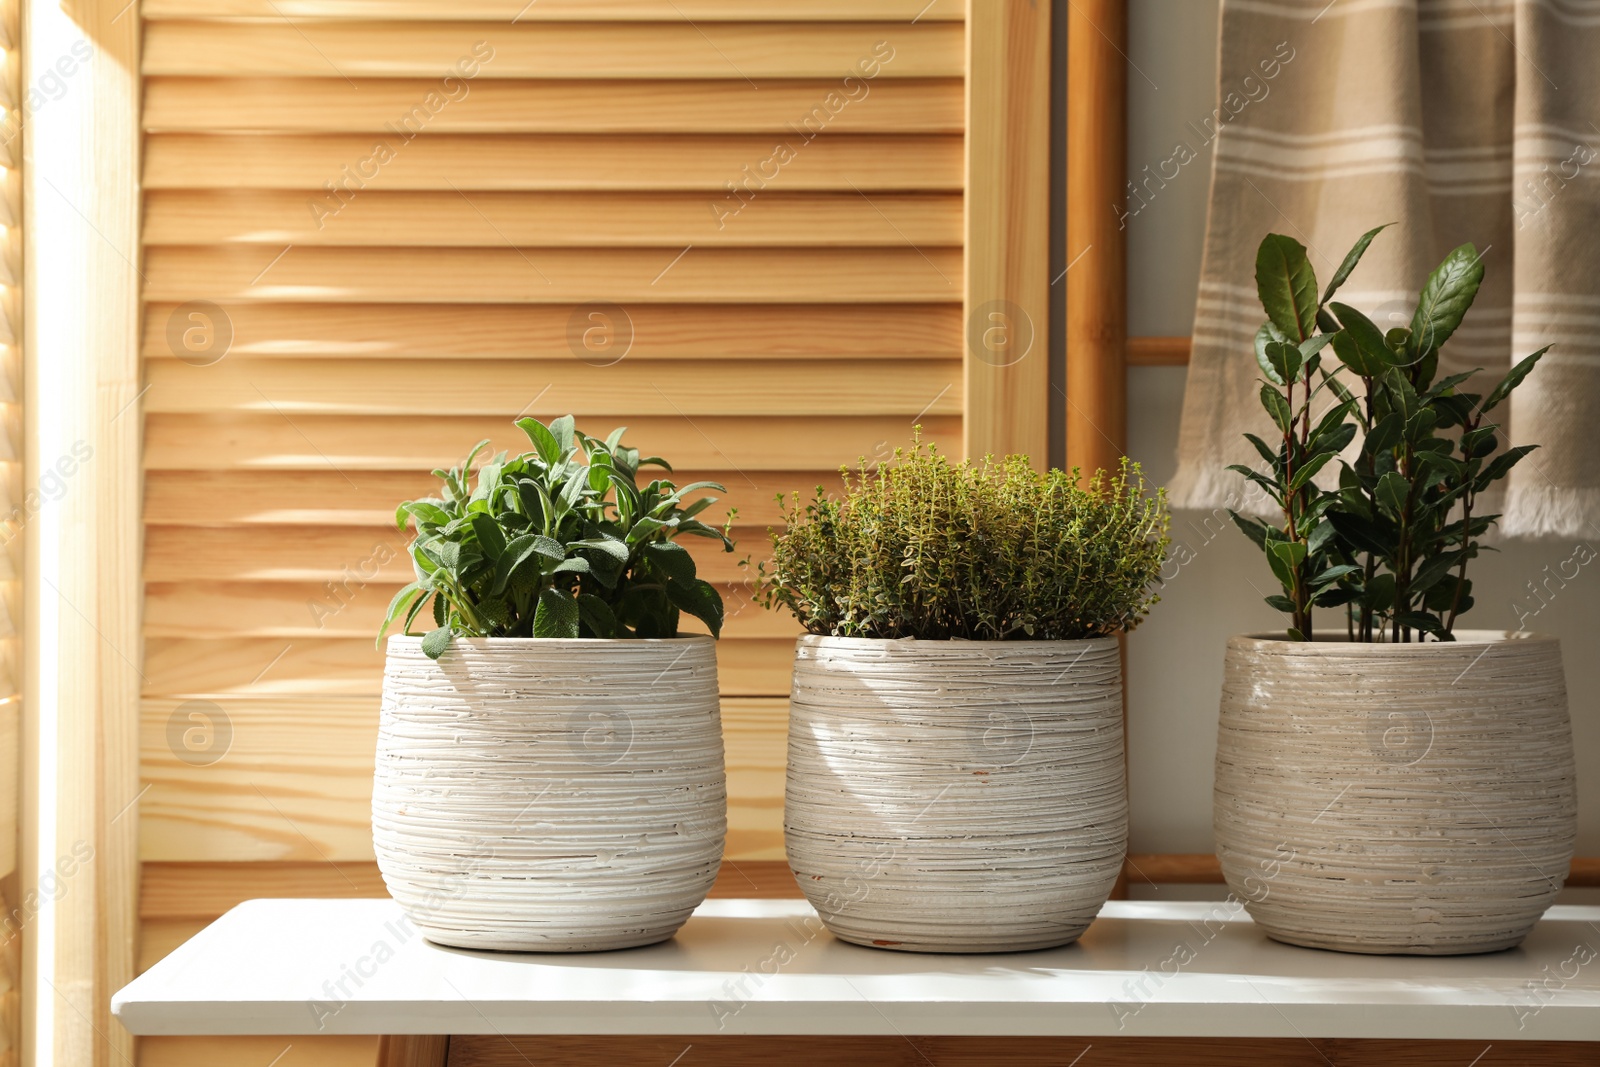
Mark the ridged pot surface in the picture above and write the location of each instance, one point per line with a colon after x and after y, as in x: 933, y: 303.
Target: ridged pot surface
x: 1396, y: 798
x: 956, y: 796
x: 550, y: 795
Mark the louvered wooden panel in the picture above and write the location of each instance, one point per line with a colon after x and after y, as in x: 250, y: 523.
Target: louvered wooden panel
x: 563, y: 276
x: 652, y: 162
x: 349, y: 446
x: 296, y: 783
x: 543, y: 220
x: 479, y: 387
x: 388, y: 106
x: 742, y: 51
x: 907, y: 11
x: 391, y: 296
x: 531, y: 331
x: 367, y: 498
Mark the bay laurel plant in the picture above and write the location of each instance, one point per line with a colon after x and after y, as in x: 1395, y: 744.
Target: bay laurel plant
x: 1391, y: 541
x: 559, y: 541
x: 993, y: 550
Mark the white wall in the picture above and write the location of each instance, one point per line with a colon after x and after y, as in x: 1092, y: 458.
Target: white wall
x: 1175, y: 659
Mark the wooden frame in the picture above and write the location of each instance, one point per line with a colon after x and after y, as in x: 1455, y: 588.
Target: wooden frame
x: 1007, y: 219
x: 81, y: 582
x: 1097, y: 137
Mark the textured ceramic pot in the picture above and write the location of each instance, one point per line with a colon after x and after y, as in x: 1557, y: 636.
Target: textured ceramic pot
x: 550, y: 795
x: 1396, y: 798
x: 956, y: 796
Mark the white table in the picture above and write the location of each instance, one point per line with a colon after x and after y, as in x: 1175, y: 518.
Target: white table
x: 767, y: 967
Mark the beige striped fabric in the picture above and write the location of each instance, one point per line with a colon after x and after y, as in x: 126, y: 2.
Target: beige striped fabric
x: 1459, y: 120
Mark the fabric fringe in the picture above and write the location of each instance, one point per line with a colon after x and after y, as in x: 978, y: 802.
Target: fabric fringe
x: 1549, y: 511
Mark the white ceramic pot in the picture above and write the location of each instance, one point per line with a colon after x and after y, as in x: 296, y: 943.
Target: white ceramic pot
x: 550, y: 795
x: 956, y: 796
x: 1396, y: 798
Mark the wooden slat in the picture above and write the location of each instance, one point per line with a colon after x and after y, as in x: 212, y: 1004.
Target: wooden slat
x: 393, y: 443
x: 204, y: 891
x: 554, y: 275
x: 530, y: 220
x: 505, y: 162
x: 533, y: 331
x: 354, y: 607
x: 1007, y: 278
x: 296, y: 783
x: 568, y: 10
x: 1097, y: 327
x: 491, y: 387
x: 1158, y: 351
x: 1172, y: 868
x: 10, y: 782
x: 414, y: 1050
x: 674, y: 49
x: 368, y: 498
x: 261, y: 553
x: 223, y: 667
x: 319, y: 1051
x: 394, y: 110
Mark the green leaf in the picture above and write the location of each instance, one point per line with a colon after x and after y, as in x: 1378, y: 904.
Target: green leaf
x: 1350, y: 260
x: 597, y: 616
x: 1281, y: 602
x: 1393, y: 491
x: 1333, y: 574
x: 1334, y: 596
x: 1448, y: 294
x: 402, y: 600
x: 563, y: 430
x: 425, y: 511
x: 1277, y: 407
x: 1261, y: 446
x: 1286, y: 360
x: 1285, y: 557
x: 434, y: 642
x: 699, y: 599
x: 1363, y: 535
x: 1511, y: 381
x: 544, y: 441
x: 521, y: 549
x: 672, y: 559
x: 1308, y: 471
x: 556, y: 614
x: 1501, y: 465
x: 1287, y: 286
x: 1433, y: 569
x: 1363, y: 349
x: 490, y: 537
x: 1267, y: 335
x: 1256, y: 531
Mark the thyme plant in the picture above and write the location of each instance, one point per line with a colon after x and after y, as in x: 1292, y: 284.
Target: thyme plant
x: 560, y: 541
x: 1391, y: 542
x: 925, y: 548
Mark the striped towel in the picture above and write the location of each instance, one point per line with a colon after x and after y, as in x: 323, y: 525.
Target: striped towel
x: 1460, y: 120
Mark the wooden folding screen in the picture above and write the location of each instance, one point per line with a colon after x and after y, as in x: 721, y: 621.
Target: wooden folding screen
x: 373, y: 236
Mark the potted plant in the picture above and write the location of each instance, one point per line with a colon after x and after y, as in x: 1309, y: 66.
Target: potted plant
x: 549, y: 768
x: 1390, y: 782
x: 955, y: 777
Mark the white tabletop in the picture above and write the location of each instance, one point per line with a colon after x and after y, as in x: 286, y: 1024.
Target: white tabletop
x: 767, y: 967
